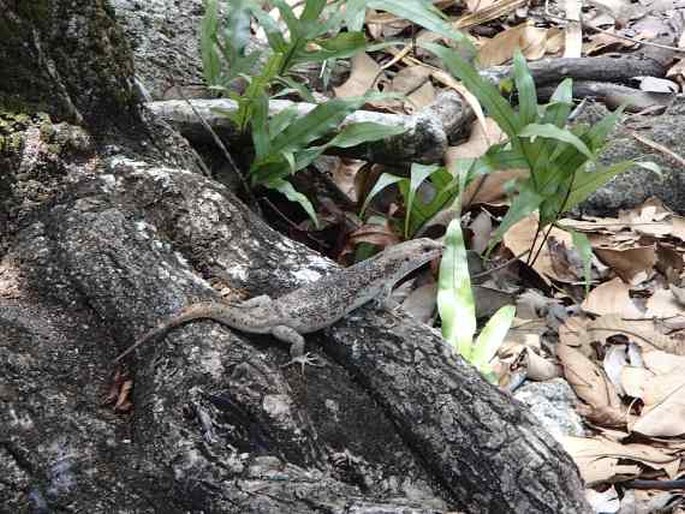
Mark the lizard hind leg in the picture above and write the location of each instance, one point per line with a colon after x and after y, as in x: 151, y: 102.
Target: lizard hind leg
x: 296, y: 341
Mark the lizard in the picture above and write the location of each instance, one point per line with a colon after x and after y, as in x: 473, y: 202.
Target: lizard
x: 314, y: 306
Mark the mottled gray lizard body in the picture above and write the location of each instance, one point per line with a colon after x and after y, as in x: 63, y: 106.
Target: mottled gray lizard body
x: 314, y: 306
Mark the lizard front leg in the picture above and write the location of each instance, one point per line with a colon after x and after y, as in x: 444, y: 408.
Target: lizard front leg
x: 296, y: 341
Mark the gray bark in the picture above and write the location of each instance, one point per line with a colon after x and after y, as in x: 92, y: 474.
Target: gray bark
x: 107, y: 228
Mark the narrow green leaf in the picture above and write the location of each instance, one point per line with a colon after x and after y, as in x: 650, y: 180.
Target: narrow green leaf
x: 271, y: 29
x: 279, y: 121
x: 291, y: 21
x: 523, y: 204
x: 446, y: 187
x: 587, y: 182
x: 260, y: 126
x: 498, y: 108
x: 211, y: 65
x: 419, y: 173
x: 317, y: 123
x: 287, y: 189
x: 354, y: 14
x: 559, y: 108
x: 553, y: 132
x: 312, y: 10
x: 497, y: 159
x: 650, y: 166
x: 491, y: 338
x: 527, y: 96
x: 301, y: 89
x: 305, y: 157
x: 364, y: 132
x: 341, y: 46
x: 422, y: 13
x: 455, y: 299
x: 385, y: 180
x: 272, y: 167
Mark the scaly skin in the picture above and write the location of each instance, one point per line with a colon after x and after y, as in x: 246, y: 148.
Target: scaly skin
x: 314, y: 306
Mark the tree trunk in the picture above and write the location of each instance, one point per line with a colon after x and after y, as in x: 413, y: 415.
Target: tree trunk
x: 108, y: 227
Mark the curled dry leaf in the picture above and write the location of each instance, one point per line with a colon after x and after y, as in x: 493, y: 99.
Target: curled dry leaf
x: 361, y: 79
x: 612, y: 297
x: 500, y: 49
x: 663, y: 363
x: 662, y: 304
x: 540, y: 368
x: 598, y: 458
x: 644, y: 333
x: 519, y: 238
x: 615, y: 359
x: 421, y: 302
x: 591, y: 384
x: 633, y: 265
x: 634, y: 380
x: 664, y: 406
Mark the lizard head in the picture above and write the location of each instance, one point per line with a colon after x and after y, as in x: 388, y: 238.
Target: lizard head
x: 410, y: 255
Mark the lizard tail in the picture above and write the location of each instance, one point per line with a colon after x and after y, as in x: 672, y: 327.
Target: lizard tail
x: 189, y: 314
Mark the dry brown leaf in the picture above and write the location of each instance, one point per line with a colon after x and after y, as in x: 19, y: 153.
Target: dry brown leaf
x: 491, y: 188
x: 664, y: 363
x: 483, y: 15
x: 555, y: 41
x: 500, y: 49
x: 422, y: 97
x: 664, y: 411
x: 633, y: 380
x: 662, y: 304
x: 643, y: 333
x: 573, y: 41
x: 361, y: 79
x: 591, y: 224
x: 677, y: 71
x: 597, y: 458
x: 603, y: 42
x: 379, y: 235
x: 482, y: 137
x: 571, y: 332
x: 519, y: 238
x: 540, y: 368
x: 633, y: 265
x: 590, y: 384
x: 478, y: 5
x: 344, y: 174
x: 612, y: 297
x: 481, y: 228
x: 615, y: 359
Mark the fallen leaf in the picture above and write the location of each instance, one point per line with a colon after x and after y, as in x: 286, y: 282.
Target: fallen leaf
x: 633, y: 265
x: 634, y: 380
x: 519, y: 238
x: 664, y: 406
x: 662, y: 304
x: 500, y: 49
x: 615, y: 359
x: 612, y: 297
x: 591, y: 385
x: 597, y: 458
x: 361, y: 79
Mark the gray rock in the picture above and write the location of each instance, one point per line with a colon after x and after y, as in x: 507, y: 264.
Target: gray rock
x: 552, y: 403
x: 637, y: 184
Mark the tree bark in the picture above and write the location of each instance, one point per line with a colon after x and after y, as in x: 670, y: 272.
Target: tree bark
x: 108, y: 227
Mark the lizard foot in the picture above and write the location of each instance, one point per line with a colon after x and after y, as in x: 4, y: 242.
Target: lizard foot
x: 304, y: 360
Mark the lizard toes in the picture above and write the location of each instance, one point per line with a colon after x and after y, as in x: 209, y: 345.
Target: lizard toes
x: 304, y: 360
